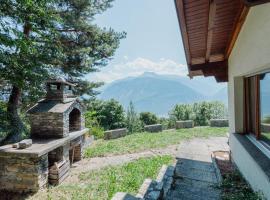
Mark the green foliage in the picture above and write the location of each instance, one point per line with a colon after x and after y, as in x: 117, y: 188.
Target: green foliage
x: 235, y: 187
x: 148, y: 118
x: 109, y: 114
x: 3, y: 119
x: 133, y: 122
x: 182, y: 112
x: 42, y: 39
x: 104, y: 183
x: 139, y: 142
x: 200, y: 113
x: 266, y: 119
x: 92, y: 123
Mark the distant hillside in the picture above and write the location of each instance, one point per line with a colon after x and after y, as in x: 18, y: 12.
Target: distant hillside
x: 159, y: 93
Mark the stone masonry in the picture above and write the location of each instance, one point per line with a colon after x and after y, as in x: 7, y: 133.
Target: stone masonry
x: 153, y: 128
x: 23, y: 173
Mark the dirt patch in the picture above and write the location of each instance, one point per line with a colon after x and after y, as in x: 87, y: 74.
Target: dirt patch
x: 89, y: 164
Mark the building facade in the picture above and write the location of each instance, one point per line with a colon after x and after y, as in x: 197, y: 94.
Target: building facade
x: 230, y: 40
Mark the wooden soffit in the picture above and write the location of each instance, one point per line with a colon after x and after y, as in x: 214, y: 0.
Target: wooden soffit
x: 209, y: 30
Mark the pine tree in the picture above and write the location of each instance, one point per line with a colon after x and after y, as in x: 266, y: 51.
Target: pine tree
x: 132, y: 120
x: 41, y: 39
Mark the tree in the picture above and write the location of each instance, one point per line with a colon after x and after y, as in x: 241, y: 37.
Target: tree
x: 133, y: 122
x: 148, y: 118
x: 109, y: 114
x: 41, y: 39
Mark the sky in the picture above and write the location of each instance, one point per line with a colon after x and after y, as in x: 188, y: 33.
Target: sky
x: 153, y: 42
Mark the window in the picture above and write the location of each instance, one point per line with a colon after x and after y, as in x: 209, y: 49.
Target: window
x: 265, y: 106
x: 257, y: 106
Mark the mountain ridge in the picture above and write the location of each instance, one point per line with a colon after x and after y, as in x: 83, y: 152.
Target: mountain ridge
x: 159, y: 93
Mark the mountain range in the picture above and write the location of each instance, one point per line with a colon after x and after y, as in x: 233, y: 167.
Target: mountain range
x: 159, y: 93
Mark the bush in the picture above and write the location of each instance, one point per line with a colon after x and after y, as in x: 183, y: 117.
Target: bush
x: 132, y: 120
x: 109, y: 114
x: 92, y: 123
x: 148, y: 118
x: 98, y: 132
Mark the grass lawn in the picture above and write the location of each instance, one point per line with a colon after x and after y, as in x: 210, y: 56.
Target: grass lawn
x: 143, y: 141
x: 104, y: 183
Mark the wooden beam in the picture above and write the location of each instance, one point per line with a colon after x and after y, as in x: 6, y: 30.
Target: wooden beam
x: 217, y: 69
x: 209, y: 65
x: 251, y: 3
x: 182, y: 22
x: 236, y: 29
x: 211, y: 17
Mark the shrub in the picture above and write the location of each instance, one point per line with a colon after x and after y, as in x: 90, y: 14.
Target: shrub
x: 109, y: 114
x: 92, y: 123
x: 97, y: 131
x: 148, y: 118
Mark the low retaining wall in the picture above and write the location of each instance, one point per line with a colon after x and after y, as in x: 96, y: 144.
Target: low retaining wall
x: 219, y: 122
x: 153, y: 128
x: 265, y: 128
x: 113, y: 134
x: 184, y: 124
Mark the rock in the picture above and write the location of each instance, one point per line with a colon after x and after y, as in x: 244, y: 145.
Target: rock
x: 25, y: 144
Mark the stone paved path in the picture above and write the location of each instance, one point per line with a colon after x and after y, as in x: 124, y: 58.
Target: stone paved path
x: 195, y: 177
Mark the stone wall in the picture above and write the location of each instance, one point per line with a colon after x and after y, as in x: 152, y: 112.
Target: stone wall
x: 153, y: 128
x: 184, y: 124
x: 47, y: 125
x: 23, y: 173
x: 219, y: 123
x: 113, y: 134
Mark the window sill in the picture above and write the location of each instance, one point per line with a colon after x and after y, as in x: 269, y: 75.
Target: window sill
x: 259, y: 153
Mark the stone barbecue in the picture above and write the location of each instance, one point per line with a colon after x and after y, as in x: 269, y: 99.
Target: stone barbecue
x: 58, y: 136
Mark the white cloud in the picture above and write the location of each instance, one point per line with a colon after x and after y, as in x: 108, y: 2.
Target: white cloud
x: 138, y: 67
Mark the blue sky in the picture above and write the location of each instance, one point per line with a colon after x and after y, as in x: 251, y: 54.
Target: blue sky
x: 153, y: 41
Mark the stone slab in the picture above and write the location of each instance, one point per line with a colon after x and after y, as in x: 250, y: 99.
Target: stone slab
x: 114, y: 134
x: 219, y: 122
x: 41, y: 147
x: 154, y: 128
x: 184, y: 124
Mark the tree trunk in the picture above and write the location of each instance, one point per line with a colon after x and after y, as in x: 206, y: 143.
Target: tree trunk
x: 16, y: 125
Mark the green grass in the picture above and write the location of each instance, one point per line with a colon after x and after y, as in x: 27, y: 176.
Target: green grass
x: 103, y: 184
x: 143, y: 141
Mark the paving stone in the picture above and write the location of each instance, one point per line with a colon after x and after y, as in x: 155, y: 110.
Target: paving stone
x: 195, y: 177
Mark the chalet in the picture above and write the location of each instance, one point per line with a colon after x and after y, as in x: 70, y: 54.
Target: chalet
x: 230, y: 40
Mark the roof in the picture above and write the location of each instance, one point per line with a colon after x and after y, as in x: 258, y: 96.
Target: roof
x: 209, y: 30
x: 60, y: 80
x: 52, y: 106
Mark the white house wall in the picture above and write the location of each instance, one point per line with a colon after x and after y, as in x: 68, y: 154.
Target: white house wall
x: 250, y: 55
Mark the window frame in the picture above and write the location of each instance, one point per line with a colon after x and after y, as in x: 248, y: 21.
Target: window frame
x: 246, y: 123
